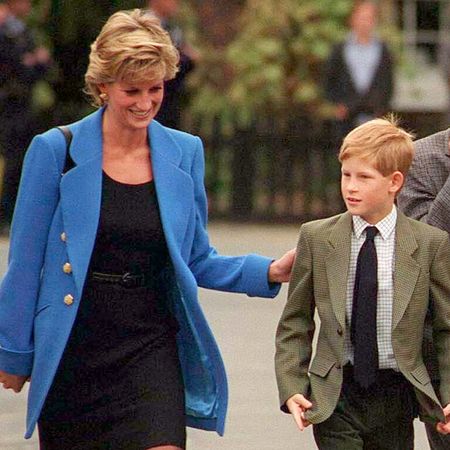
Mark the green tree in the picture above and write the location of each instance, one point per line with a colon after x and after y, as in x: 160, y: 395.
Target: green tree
x: 271, y: 66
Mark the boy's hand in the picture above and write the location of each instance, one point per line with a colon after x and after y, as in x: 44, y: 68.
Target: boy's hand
x: 297, y: 406
x: 444, y: 428
x: 280, y: 269
x: 14, y: 382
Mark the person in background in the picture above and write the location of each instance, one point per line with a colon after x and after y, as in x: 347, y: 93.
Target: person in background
x: 175, y: 92
x: 99, y: 304
x: 426, y: 197
x: 22, y: 63
x: 358, y: 75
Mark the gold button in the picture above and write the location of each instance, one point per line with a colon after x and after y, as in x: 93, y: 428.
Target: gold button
x: 67, y: 268
x: 68, y: 299
x: 63, y: 236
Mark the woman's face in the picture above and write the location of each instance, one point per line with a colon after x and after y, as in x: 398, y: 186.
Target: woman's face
x: 133, y: 105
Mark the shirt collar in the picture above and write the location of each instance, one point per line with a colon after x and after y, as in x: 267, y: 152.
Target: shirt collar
x: 385, y: 226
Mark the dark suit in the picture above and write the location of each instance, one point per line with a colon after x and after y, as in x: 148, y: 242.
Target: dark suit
x: 340, y: 88
x: 170, y: 112
x: 16, y: 118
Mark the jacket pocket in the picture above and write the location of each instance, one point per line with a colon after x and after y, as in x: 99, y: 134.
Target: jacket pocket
x: 421, y: 375
x: 321, y: 366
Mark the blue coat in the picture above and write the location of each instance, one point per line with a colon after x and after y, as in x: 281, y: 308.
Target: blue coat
x: 56, y: 221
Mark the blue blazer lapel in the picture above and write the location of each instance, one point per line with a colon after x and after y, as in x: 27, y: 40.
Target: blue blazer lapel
x: 81, y: 189
x: 174, y: 186
x: 81, y: 194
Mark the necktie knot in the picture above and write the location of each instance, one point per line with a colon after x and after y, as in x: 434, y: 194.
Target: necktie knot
x: 371, y: 232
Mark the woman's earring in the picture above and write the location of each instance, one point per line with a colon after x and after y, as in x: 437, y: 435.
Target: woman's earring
x: 103, y: 97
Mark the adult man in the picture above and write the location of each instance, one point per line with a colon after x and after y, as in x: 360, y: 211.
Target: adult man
x: 358, y: 73
x: 426, y: 196
x: 21, y: 65
x: 174, y: 90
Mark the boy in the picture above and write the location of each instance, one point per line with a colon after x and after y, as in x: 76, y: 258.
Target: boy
x: 370, y: 273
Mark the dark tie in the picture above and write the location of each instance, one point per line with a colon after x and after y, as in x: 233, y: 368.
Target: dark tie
x: 364, y: 312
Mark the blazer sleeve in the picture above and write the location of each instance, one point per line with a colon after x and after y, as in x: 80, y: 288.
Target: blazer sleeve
x: 440, y: 294
x: 36, y: 202
x: 296, y: 328
x: 384, y: 83
x: 247, y: 274
x: 388, y: 79
x: 426, y: 193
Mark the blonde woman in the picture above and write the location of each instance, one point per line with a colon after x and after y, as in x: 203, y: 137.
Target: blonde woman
x: 99, y: 303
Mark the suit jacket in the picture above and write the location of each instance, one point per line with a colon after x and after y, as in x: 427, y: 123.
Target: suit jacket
x: 340, y: 88
x: 426, y: 197
x: 319, y: 283
x: 56, y: 221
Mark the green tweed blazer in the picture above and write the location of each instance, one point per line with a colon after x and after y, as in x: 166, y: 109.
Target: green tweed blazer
x: 319, y: 284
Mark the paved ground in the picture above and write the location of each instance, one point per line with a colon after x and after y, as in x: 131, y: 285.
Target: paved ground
x: 244, y: 328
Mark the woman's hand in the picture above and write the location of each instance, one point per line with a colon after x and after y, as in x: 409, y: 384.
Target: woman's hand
x: 14, y: 382
x: 280, y: 269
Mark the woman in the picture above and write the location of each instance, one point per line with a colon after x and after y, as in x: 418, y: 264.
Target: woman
x: 99, y: 304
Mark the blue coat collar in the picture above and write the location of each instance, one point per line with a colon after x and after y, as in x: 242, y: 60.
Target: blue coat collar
x: 87, y: 140
x: 81, y: 190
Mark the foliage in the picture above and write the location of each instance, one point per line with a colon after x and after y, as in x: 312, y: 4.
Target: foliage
x: 267, y: 70
x: 68, y: 29
x: 271, y: 68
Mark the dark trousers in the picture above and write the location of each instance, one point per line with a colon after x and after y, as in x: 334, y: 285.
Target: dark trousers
x: 378, y: 418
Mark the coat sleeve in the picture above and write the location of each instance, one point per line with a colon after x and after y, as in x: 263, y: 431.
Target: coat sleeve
x: 387, y: 81
x: 247, y: 274
x: 332, y: 76
x: 296, y: 328
x: 36, y: 202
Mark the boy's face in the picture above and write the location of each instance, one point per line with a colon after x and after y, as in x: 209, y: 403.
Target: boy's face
x: 366, y: 192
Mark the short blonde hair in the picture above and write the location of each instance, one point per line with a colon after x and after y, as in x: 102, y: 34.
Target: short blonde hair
x: 132, y: 46
x: 382, y: 142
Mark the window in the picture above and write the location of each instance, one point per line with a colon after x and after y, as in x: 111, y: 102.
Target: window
x: 426, y: 28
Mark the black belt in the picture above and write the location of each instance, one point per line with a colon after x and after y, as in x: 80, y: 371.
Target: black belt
x: 127, y: 279
x: 383, y: 376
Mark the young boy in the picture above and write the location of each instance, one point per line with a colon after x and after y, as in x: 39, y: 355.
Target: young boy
x: 370, y: 274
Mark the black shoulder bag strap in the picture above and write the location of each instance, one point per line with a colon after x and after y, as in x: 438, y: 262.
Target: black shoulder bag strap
x: 68, y: 161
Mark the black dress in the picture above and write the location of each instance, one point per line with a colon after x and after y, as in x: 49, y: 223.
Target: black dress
x: 119, y: 384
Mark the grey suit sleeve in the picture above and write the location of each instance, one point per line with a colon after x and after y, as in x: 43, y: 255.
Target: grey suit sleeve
x: 426, y: 194
x: 440, y: 292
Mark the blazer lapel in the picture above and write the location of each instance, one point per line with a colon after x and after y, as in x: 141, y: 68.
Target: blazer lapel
x: 406, y: 268
x: 81, y: 194
x: 337, y: 265
x: 174, y: 186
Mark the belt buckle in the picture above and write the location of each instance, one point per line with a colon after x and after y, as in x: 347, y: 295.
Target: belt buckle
x: 128, y: 280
